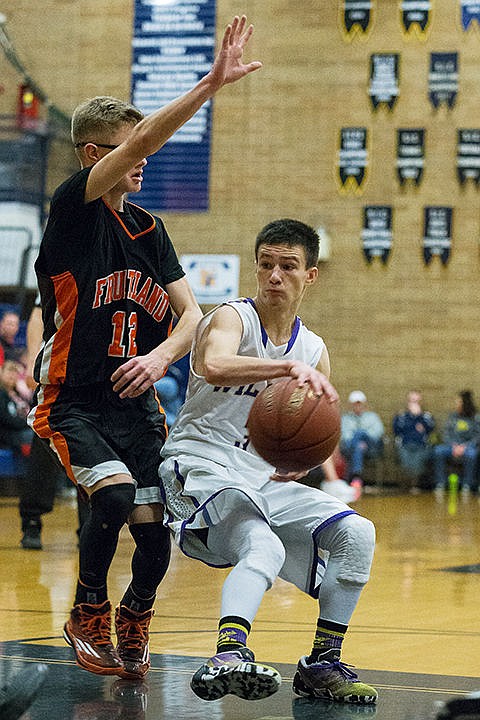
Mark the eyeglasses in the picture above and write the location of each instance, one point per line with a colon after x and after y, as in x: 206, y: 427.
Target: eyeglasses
x: 89, y: 142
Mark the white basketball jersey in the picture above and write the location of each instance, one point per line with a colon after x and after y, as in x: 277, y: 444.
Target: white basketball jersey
x: 212, y: 422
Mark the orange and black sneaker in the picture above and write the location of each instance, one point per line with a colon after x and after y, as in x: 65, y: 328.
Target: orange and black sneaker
x: 88, y: 632
x: 132, y: 641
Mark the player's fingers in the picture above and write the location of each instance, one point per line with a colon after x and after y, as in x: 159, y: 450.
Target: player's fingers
x: 226, y: 37
x: 233, y: 30
x: 241, y: 28
x: 246, y: 36
x: 255, y: 65
x: 279, y: 478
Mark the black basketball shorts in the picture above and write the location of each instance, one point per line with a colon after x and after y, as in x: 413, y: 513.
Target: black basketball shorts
x: 96, y: 434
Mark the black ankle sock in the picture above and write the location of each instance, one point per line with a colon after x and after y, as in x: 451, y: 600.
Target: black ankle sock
x: 133, y: 601
x: 90, y: 595
x: 327, y: 642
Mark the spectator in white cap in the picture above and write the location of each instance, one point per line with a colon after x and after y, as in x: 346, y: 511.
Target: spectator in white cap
x: 361, y: 434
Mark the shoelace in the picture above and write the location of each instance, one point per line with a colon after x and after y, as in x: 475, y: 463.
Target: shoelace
x: 132, y: 632
x: 97, y: 627
x: 344, y: 669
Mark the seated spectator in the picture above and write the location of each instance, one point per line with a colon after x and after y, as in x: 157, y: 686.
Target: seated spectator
x: 412, y: 430
x: 326, y: 477
x: 9, y: 327
x: 461, y: 437
x: 334, y: 485
x: 362, y: 434
x: 14, y: 431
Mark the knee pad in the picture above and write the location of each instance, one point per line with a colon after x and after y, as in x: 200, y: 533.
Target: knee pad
x: 352, y: 548
x: 112, y: 504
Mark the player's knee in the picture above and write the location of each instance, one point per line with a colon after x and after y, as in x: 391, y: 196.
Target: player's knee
x: 266, y: 559
x: 112, y: 504
x: 354, y: 549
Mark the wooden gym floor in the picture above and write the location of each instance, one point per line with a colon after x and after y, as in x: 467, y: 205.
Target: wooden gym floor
x: 415, y: 634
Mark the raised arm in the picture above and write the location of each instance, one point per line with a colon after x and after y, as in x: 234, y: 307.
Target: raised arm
x: 153, y: 131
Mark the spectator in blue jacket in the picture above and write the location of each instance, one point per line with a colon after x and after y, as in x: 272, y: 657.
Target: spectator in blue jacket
x: 461, y: 437
x: 362, y: 434
x: 412, y: 430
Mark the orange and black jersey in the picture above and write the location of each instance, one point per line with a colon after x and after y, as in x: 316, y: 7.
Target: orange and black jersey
x: 102, y: 277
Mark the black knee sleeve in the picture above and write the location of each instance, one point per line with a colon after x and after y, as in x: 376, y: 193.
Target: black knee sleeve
x: 109, y: 509
x: 111, y: 505
x: 151, y: 557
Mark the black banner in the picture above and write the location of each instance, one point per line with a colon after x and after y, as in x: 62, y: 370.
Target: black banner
x: 383, y: 88
x: 356, y: 17
x: 468, y: 155
x: 437, y: 233
x: 410, y: 155
x: 352, y: 157
x: 377, y: 232
x: 470, y: 13
x: 415, y: 16
x: 443, y: 79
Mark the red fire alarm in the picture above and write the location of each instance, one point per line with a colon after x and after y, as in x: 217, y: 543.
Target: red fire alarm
x: 27, y: 105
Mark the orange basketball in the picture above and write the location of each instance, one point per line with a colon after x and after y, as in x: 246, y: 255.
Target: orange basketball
x: 291, y: 427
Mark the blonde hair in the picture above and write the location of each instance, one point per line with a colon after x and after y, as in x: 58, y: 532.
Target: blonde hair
x: 99, y: 117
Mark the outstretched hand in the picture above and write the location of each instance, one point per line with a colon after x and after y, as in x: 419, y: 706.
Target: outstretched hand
x: 228, y: 66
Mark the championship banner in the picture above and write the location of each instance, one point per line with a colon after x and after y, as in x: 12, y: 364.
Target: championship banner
x: 415, y: 17
x: 468, y: 155
x: 356, y: 16
x: 410, y: 155
x: 469, y: 13
x: 173, y: 47
x: 377, y: 232
x: 443, y: 79
x: 383, y: 88
x: 352, y: 158
x: 437, y: 233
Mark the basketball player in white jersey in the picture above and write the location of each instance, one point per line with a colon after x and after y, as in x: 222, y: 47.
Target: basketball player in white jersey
x: 228, y: 507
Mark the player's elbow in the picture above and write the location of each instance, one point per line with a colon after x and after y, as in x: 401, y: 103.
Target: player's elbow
x: 214, y: 372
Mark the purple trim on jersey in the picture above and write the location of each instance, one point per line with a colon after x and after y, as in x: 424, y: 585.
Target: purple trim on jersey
x: 294, y: 335
x: 313, y: 590
x: 262, y: 329
x: 202, y: 509
x: 296, y: 328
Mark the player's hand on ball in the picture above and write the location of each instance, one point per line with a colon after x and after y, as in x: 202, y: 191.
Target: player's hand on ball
x: 286, y: 476
x: 319, y: 382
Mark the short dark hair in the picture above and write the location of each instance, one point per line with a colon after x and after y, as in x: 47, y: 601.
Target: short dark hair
x: 290, y: 232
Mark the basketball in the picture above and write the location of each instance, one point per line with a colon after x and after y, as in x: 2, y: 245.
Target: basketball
x: 291, y: 427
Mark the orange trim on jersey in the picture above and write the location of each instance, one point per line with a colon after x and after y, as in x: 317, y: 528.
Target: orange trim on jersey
x: 132, y: 237
x: 66, y: 297
x: 160, y: 409
x: 47, y: 396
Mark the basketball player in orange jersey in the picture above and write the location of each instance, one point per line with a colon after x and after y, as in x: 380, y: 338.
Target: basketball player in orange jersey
x: 228, y: 507
x: 109, y: 280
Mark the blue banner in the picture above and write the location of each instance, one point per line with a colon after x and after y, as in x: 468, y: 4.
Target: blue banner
x: 470, y: 12
x: 173, y: 47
